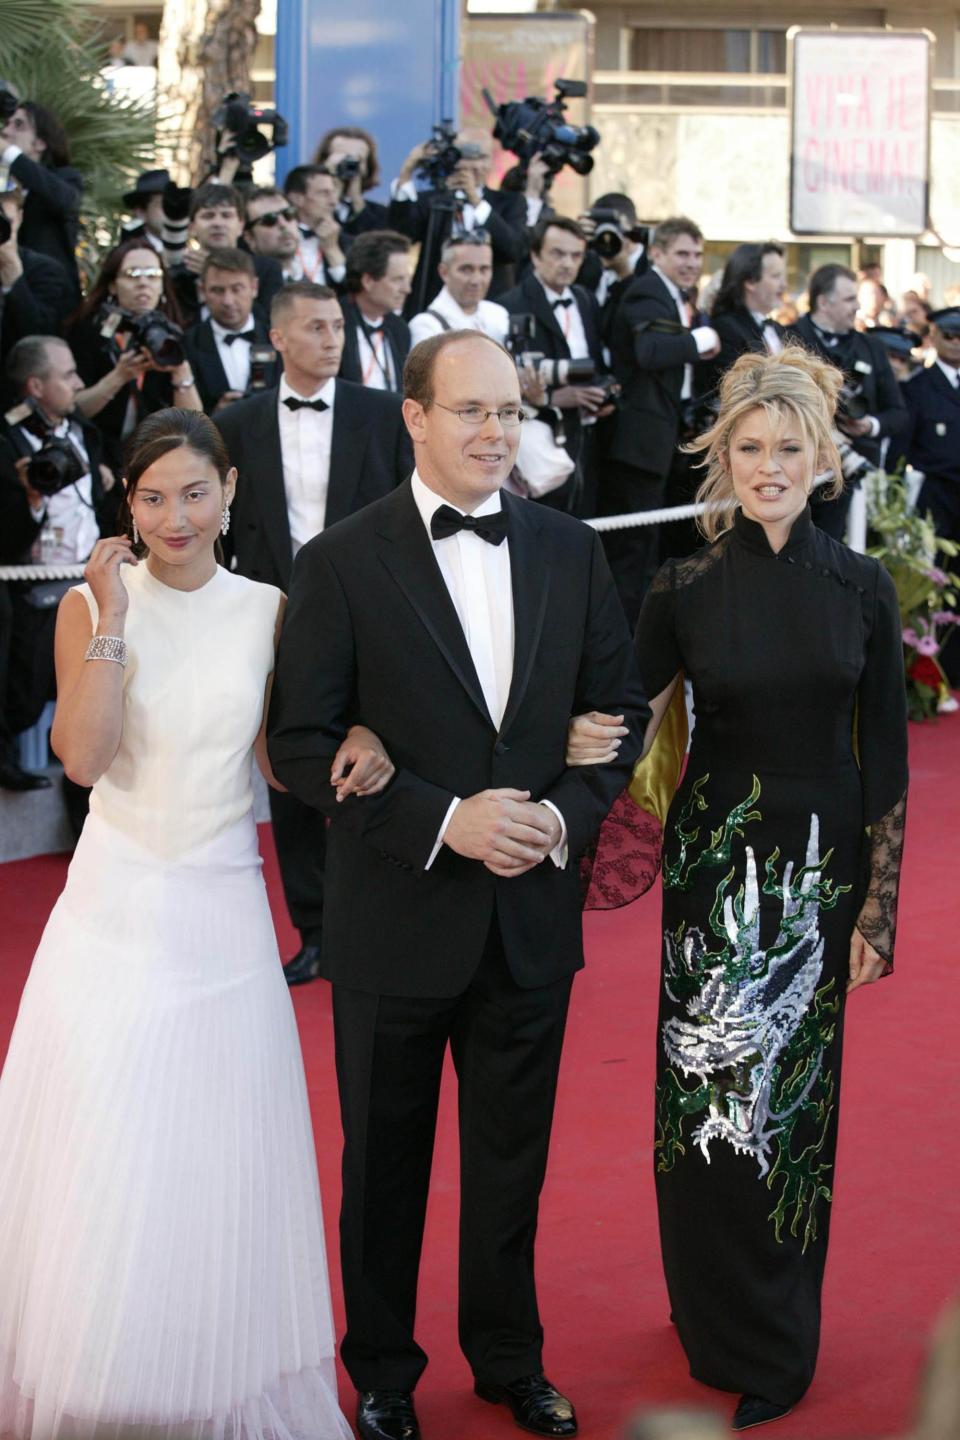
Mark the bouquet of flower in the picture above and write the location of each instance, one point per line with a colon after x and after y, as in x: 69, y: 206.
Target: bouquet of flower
x: 908, y: 546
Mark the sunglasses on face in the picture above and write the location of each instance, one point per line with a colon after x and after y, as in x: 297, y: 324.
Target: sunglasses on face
x: 270, y: 218
x: 143, y: 272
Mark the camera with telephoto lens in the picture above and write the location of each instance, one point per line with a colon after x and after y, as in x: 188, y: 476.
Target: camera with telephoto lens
x: 238, y: 114
x: 347, y: 168
x: 443, y: 156
x: 150, y: 330
x: 612, y: 233
x: 535, y: 126
x: 58, y: 463
x: 852, y: 404
x: 551, y: 373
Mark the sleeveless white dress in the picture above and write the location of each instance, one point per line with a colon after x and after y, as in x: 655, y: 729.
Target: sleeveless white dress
x: 162, y: 1261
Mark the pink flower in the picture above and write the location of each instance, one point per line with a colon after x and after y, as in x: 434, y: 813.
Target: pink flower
x: 946, y: 617
x: 926, y: 645
x: 938, y: 576
x: 910, y: 637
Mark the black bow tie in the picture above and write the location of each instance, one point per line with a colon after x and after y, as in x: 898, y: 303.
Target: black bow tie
x: 248, y: 335
x: 447, y: 521
x: 292, y: 403
x: 567, y: 301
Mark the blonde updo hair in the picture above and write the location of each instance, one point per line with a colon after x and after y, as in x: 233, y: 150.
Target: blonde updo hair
x: 795, y: 385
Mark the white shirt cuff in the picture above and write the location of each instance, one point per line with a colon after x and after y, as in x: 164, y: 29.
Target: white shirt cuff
x: 874, y: 426
x: 11, y: 152
x: 406, y: 191
x: 443, y: 830
x: 481, y: 212
x: 706, y: 338
x: 559, y: 852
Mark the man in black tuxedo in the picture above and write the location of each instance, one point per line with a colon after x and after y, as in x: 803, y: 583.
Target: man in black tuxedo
x: 566, y: 326
x: 228, y: 352
x: 320, y: 254
x: 217, y: 218
x: 656, y: 344
x: 466, y: 204
x: 36, y: 289
x: 465, y: 626
x: 753, y: 283
x: 309, y: 453
x: 871, y: 405
x: 378, y: 282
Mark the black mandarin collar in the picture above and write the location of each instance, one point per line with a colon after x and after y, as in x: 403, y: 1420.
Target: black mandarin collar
x: 752, y: 536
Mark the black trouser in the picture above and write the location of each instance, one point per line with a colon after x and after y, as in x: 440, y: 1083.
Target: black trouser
x: 300, y: 835
x: 632, y: 553
x: 942, y: 499
x: 506, y: 1045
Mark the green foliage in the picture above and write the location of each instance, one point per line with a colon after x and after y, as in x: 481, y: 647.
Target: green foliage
x: 52, y: 52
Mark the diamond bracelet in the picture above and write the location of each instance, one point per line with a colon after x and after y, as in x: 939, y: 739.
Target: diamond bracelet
x: 107, y: 647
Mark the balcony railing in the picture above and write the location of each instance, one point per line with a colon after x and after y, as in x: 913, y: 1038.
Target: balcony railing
x: 677, y: 90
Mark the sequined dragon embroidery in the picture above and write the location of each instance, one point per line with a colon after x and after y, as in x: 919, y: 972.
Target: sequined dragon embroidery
x: 759, y: 1021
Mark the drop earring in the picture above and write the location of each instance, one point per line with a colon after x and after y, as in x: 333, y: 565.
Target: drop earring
x: 225, y: 520
x: 136, y: 532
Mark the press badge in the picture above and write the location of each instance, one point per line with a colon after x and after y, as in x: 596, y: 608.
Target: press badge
x: 863, y: 366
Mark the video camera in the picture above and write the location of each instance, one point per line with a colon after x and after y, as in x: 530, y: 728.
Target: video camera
x: 238, y: 114
x: 150, y: 330
x: 611, y: 234
x: 442, y: 157
x: 535, y: 126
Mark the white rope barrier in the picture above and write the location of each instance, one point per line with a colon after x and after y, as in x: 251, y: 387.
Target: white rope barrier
x: 646, y: 517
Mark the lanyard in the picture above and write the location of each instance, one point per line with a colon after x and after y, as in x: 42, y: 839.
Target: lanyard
x: 309, y: 274
x: 376, y: 353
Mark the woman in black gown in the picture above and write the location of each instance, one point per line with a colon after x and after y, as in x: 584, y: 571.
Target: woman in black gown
x: 781, y: 859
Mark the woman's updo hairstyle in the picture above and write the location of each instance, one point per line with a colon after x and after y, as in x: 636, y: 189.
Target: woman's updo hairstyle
x: 793, y: 385
x: 156, y: 436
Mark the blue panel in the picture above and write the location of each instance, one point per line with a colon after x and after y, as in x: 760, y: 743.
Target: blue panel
x: 388, y: 65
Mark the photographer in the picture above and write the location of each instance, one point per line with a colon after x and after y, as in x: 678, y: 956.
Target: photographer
x: 320, y: 257
x: 618, y: 245
x: 271, y: 229
x: 124, y: 380
x: 376, y: 340
x: 56, y: 498
x: 466, y: 269
x: 350, y: 155
x: 36, y: 151
x: 36, y: 290
x: 145, y: 206
x: 462, y: 202
x: 871, y: 406
x: 564, y: 326
x: 216, y: 221
x: 228, y: 352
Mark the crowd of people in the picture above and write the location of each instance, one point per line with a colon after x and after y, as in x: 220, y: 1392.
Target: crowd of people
x: 260, y: 384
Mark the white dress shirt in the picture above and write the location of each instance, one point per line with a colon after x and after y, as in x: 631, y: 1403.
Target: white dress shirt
x: 489, y: 318
x: 704, y: 336
x: 234, y: 357
x: 478, y: 578
x: 569, y: 319
x: 377, y: 370
x: 70, y: 528
x: 770, y: 337
x: 306, y: 437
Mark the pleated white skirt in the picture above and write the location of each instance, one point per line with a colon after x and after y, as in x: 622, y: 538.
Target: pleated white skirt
x: 162, y: 1262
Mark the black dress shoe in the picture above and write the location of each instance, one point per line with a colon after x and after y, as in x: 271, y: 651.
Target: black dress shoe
x: 386, y: 1415
x: 13, y: 778
x: 537, y: 1405
x: 304, y: 967
x: 754, y: 1410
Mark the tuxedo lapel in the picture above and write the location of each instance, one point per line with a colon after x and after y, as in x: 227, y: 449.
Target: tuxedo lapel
x: 408, y: 555
x: 530, y: 577
x: 348, y: 447
x: 267, y: 481
x: 212, y: 373
x: 544, y: 311
x: 350, y: 360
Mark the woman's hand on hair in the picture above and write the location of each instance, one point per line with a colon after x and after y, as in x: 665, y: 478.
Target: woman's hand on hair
x: 102, y: 574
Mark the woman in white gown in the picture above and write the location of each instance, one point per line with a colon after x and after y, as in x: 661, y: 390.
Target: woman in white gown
x: 162, y: 1262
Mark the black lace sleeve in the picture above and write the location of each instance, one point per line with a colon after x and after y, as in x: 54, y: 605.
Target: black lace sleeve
x: 877, y: 921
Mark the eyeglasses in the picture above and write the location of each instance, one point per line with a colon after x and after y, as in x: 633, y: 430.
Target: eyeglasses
x: 270, y: 218
x: 510, y: 416
x: 143, y: 272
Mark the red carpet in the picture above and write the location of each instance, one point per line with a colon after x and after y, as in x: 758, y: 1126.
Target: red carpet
x: 895, y: 1255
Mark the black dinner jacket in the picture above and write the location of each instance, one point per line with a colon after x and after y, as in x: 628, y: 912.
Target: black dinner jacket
x: 530, y: 298
x: 51, y: 214
x: 204, y: 357
x: 739, y: 335
x: 931, y: 441
x: 506, y: 225
x: 370, y: 455
x: 649, y: 364
x: 397, y: 334
x: 880, y: 388
x: 372, y: 635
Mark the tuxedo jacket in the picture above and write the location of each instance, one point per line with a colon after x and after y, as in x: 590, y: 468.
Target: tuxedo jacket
x: 36, y: 304
x: 371, y: 636
x: 506, y: 225
x: 370, y: 455
x: 51, y: 214
x: 396, y: 331
x: 931, y: 441
x: 207, y: 367
x: 530, y: 298
x: 739, y: 335
x: 649, y: 363
x: 868, y: 364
